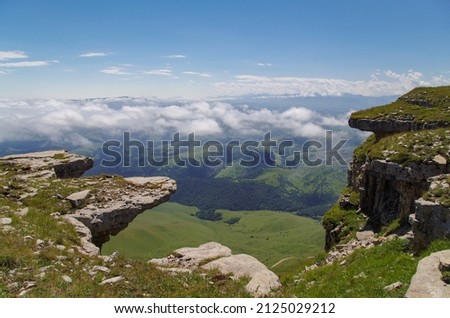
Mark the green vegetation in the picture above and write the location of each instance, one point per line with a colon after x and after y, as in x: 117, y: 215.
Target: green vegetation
x: 268, y: 236
x: 306, y: 191
x: 406, y: 148
x: 423, y: 104
x: 365, y: 273
x: 441, y: 192
x: 350, y: 221
x: 59, y: 156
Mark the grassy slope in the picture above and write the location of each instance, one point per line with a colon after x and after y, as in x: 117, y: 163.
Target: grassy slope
x: 407, y: 108
x: 268, y: 236
x: 407, y: 147
x: 365, y: 273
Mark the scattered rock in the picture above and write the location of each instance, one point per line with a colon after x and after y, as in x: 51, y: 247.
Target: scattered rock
x: 67, y: 279
x: 78, y: 199
x: 40, y: 243
x: 13, y: 285
x: 310, y: 268
x: 60, y: 247
x: 360, y: 275
x: 22, y: 212
x: 364, y: 235
x: 110, y: 258
x: 29, y: 284
x: 112, y: 280
x: 7, y: 228
x: 5, y: 221
x: 102, y: 269
x: 393, y: 286
x: 440, y: 160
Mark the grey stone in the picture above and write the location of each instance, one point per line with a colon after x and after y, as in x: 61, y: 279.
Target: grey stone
x: 40, y: 243
x: 440, y: 160
x: 22, y: 212
x: 262, y: 280
x: 78, y: 199
x: 103, y: 269
x: 112, y: 280
x: 393, y: 286
x: 427, y: 282
x: 190, y: 257
x: 67, y: 279
x: 5, y: 221
x: 364, y: 235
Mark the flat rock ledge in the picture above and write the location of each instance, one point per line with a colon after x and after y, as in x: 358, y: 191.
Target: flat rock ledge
x: 52, y: 163
x: 118, y: 207
x: 427, y: 282
x: 214, y: 256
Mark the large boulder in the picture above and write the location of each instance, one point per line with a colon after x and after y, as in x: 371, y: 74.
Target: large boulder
x: 214, y: 256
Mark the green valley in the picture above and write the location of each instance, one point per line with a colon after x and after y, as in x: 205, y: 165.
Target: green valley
x: 269, y: 236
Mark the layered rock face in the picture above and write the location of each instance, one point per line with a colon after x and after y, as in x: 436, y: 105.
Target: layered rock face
x: 401, y: 163
x: 53, y: 163
x: 388, y: 190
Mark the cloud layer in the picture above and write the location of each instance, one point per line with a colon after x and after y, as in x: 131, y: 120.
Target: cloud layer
x: 379, y: 84
x: 76, y: 121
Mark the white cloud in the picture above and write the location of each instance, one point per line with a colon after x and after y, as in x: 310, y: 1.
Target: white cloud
x: 114, y: 70
x: 7, y: 55
x: 380, y: 84
x: 94, y: 54
x: 27, y: 63
x: 176, y: 56
x: 74, y: 121
x: 264, y: 64
x: 197, y: 74
x: 162, y: 72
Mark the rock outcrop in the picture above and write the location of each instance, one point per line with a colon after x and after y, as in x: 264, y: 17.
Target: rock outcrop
x: 53, y: 163
x: 427, y: 281
x: 101, y: 205
x: 214, y: 256
x: 385, y: 127
x: 388, y: 190
x: 403, y: 174
x: 431, y: 218
x: 113, y: 206
x: 393, y: 171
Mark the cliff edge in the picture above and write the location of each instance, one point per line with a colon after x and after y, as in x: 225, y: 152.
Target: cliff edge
x: 398, y: 182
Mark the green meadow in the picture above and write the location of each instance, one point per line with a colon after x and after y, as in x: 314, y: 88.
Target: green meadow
x: 269, y: 236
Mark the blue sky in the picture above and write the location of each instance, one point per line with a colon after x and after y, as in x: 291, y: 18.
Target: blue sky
x: 198, y: 49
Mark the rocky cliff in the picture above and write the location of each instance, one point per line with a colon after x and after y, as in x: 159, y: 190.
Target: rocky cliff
x: 399, y: 164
